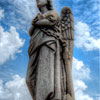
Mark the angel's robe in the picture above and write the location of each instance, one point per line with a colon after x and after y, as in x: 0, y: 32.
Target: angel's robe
x: 46, y: 76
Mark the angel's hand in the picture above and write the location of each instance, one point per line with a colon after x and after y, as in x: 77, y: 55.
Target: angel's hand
x: 38, y: 17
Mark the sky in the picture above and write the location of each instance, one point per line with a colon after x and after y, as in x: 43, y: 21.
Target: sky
x: 15, y: 21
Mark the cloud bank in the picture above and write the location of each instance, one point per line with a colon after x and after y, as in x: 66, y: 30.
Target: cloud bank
x: 10, y: 44
x: 14, y: 90
x: 81, y: 73
x: 83, y: 38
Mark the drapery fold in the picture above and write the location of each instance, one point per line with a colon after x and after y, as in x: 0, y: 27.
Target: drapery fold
x: 45, y: 68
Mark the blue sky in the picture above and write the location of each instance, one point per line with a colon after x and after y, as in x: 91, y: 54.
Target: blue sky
x: 15, y: 20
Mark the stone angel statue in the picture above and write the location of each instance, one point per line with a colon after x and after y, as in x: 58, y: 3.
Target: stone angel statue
x: 49, y: 73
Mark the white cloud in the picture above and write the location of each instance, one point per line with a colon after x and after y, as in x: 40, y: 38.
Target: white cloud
x: 80, y: 71
x: 80, y: 95
x: 1, y: 14
x: 21, y: 13
x: 79, y: 84
x: 15, y: 89
x: 83, y: 38
x: 80, y: 74
x: 10, y: 44
x: 27, y: 11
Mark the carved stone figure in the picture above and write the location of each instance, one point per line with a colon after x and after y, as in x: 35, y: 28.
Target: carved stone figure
x: 49, y: 73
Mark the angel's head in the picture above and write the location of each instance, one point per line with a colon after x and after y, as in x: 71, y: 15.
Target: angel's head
x: 44, y: 4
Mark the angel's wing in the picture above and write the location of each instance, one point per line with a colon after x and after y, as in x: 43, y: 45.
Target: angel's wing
x: 67, y: 29
x: 67, y: 26
x: 67, y: 32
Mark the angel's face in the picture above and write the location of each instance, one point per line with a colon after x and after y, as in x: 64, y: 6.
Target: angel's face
x: 41, y: 3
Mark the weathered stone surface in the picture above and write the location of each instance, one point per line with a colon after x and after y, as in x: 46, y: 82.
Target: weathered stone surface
x: 49, y: 73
